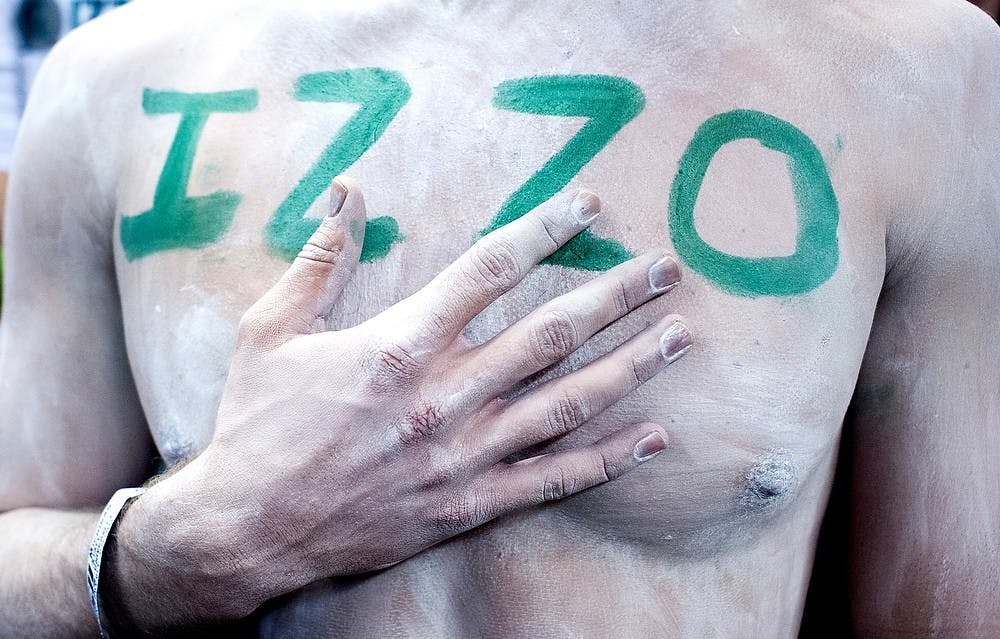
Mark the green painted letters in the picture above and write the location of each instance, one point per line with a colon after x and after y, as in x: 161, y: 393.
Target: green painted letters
x: 610, y: 103
x: 176, y: 220
x: 816, y: 248
x: 381, y: 94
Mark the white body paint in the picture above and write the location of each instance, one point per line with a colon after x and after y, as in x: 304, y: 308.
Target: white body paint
x: 713, y: 539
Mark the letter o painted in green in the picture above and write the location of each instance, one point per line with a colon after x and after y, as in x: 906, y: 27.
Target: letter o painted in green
x: 816, y: 248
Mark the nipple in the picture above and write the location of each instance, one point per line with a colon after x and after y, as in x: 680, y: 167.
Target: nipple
x: 771, y: 478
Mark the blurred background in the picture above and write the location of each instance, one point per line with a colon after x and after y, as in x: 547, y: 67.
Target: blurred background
x: 28, y: 29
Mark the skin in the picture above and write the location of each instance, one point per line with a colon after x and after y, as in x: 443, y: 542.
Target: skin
x: 715, y: 537
x: 992, y: 7
x: 425, y: 471
x: 3, y: 200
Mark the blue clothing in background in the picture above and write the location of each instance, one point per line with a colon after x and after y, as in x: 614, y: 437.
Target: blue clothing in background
x: 21, y: 53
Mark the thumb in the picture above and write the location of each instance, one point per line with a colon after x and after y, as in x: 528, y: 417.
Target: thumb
x: 315, y: 280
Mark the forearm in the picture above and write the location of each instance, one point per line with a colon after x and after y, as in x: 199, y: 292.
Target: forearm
x: 943, y: 628
x: 43, y: 591
x: 164, y: 569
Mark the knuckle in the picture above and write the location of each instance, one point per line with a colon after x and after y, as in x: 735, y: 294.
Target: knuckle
x: 324, y: 247
x: 549, y: 226
x: 641, y: 368
x: 420, y: 423
x: 558, y: 483
x: 608, y: 468
x: 638, y: 374
x: 495, y: 264
x: 566, y: 411
x: 461, y: 513
x: 441, y: 470
x: 554, y: 337
x: 620, y: 298
x: 392, y: 363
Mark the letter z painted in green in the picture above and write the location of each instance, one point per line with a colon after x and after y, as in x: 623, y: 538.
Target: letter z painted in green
x: 610, y: 103
x: 177, y: 220
x: 817, y: 251
x: 381, y: 94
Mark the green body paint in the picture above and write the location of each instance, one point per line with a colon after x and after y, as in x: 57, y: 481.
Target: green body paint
x: 381, y: 94
x: 176, y: 220
x: 816, y: 248
x: 380, y: 234
x: 610, y: 103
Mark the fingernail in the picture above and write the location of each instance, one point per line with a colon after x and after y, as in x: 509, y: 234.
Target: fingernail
x: 585, y: 207
x: 338, y: 195
x: 664, y: 275
x: 675, y: 341
x: 649, y: 447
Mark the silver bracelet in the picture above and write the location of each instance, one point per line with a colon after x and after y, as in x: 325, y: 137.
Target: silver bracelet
x: 96, y: 554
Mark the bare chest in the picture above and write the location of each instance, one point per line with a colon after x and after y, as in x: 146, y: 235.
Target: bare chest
x: 225, y: 173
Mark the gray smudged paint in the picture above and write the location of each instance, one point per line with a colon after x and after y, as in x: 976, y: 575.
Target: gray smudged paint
x: 770, y: 480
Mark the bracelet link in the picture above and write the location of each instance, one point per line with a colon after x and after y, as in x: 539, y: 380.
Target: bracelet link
x: 95, y: 557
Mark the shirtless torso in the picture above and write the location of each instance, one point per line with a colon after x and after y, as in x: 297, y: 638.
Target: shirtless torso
x: 875, y: 177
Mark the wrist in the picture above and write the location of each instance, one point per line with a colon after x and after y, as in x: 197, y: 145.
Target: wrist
x: 101, y: 550
x: 174, y: 561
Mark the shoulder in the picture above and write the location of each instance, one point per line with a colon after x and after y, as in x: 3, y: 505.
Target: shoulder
x: 935, y: 63
x: 947, y: 45
x: 923, y: 41
x: 154, y: 25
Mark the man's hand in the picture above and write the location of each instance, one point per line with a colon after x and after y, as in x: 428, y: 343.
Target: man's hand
x: 347, y: 451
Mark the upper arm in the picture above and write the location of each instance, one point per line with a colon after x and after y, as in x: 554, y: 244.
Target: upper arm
x: 926, y: 412
x: 71, y: 428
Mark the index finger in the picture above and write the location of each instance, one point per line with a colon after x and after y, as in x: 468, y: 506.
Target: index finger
x: 496, y: 264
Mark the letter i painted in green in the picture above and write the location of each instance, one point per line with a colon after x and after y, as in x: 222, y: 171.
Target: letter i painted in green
x: 177, y: 220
